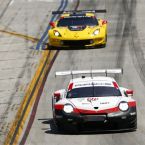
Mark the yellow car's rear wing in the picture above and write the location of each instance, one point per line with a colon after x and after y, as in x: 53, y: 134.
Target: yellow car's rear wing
x: 79, y: 11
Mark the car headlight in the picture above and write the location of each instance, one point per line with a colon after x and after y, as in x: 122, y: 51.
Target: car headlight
x: 56, y: 33
x: 96, y: 32
x: 68, y: 108
x: 123, y: 106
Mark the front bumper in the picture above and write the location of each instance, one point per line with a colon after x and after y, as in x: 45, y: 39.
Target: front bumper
x: 59, y: 42
x: 117, y: 120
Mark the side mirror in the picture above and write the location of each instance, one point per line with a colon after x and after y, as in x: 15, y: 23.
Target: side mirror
x: 126, y: 92
x: 59, y: 94
x: 52, y: 24
x: 129, y: 92
x: 104, y: 22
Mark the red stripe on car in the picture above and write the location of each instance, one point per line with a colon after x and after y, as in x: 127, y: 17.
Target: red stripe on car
x: 115, y: 85
x: 110, y: 110
x: 58, y: 106
x: 132, y: 104
x: 70, y: 86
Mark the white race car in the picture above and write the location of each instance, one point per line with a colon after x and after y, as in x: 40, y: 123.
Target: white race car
x: 94, y: 102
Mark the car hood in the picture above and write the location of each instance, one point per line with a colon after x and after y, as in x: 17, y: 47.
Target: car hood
x: 96, y: 104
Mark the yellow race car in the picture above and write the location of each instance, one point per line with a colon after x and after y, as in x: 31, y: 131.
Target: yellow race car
x: 78, y: 29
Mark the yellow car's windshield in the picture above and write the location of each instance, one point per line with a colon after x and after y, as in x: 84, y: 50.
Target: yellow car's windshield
x: 77, y: 21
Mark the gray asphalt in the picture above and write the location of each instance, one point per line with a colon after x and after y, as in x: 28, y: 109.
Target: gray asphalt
x: 18, y: 59
x: 125, y: 49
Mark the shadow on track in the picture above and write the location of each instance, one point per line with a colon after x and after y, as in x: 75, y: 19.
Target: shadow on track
x: 53, y: 129
x: 74, y: 47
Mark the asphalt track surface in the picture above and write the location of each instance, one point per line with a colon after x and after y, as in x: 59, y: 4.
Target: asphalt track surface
x: 125, y: 49
x: 18, y: 61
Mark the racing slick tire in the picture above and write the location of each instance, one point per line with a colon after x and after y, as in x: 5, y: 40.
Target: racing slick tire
x: 131, y: 126
x: 134, y: 126
x: 103, y: 45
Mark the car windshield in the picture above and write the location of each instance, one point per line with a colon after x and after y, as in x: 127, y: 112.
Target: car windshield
x: 96, y: 91
x: 77, y: 21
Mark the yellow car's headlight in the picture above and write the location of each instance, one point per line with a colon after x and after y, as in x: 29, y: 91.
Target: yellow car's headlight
x: 56, y: 33
x: 96, y: 32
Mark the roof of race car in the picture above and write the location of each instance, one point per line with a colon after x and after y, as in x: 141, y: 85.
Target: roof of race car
x: 89, y: 81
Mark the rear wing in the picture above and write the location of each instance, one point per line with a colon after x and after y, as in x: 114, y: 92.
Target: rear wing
x: 91, y: 72
x: 79, y: 11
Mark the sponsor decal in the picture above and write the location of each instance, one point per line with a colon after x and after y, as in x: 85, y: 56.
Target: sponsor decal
x: 115, y: 85
x: 58, y: 106
x: 104, y: 103
x: 94, y: 84
x: 70, y: 86
x: 92, y: 99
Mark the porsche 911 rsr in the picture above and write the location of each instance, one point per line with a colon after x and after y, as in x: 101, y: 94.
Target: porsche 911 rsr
x: 78, y: 29
x: 94, y: 102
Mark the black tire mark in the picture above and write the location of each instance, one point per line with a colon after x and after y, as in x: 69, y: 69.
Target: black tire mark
x: 5, y: 9
x: 77, y: 5
x: 24, y: 111
x: 119, y: 35
x: 123, y: 31
x: 135, y: 47
x: 42, y: 24
x: 26, y: 68
x: 32, y: 116
x: 12, y: 19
